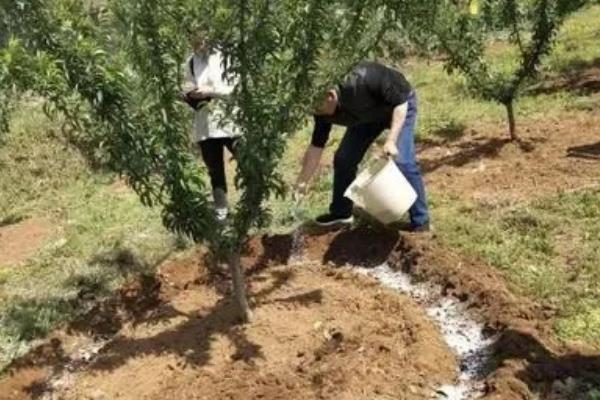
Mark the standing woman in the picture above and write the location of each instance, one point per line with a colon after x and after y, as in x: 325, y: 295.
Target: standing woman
x: 204, y: 88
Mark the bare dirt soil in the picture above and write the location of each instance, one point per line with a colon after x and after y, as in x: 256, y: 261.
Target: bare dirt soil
x: 562, y: 154
x: 21, y: 240
x: 526, y: 360
x: 317, y: 333
x: 320, y: 331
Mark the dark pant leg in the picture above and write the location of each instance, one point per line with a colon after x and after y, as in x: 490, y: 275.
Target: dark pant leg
x: 230, y: 144
x: 407, y: 163
x: 212, y: 154
x: 349, y: 154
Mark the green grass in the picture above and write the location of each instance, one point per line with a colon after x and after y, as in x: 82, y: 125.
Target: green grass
x: 446, y: 105
x: 102, y: 234
x: 578, y: 44
x: 447, y: 109
x: 549, y: 251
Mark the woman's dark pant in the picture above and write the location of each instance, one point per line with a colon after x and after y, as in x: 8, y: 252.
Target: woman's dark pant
x: 213, y: 155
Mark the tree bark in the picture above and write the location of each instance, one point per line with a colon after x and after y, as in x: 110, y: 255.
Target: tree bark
x: 239, y: 286
x: 512, y: 129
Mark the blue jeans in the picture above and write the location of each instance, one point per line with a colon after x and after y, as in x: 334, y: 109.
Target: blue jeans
x: 407, y: 163
x: 351, y: 151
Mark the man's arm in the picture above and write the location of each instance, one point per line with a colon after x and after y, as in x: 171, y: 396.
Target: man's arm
x: 398, y: 117
x: 312, y: 155
x: 394, y: 89
x: 310, y: 164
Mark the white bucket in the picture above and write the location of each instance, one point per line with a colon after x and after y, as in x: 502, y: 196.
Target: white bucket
x: 383, y: 192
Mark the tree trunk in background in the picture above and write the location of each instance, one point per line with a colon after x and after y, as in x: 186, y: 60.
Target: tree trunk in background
x: 239, y: 286
x: 511, y: 121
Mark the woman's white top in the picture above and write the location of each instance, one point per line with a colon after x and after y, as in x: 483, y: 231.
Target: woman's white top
x: 208, y: 71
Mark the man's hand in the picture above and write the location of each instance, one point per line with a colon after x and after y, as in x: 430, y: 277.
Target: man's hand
x: 310, y: 163
x: 197, y: 95
x: 183, y: 96
x: 390, y: 149
x: 398, y: 118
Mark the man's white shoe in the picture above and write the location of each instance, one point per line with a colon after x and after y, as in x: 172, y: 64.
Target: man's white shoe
x: 334, y: 220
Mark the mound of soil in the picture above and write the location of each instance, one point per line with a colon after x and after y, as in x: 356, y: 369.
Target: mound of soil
x: 20, y: 241
x: 317, y: 333
x: 526, y: 360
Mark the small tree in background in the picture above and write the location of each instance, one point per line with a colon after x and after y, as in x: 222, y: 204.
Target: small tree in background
x: 114, y: 76
x: 462, y: 29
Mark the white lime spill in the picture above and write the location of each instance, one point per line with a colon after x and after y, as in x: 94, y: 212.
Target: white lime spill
x: 462, y: 333
x: 297, y: 250
x: 64, y: 378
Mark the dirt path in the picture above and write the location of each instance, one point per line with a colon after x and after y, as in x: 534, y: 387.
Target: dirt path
x: 483, y: 166
x: 318, y: 334
x: 20, y: 241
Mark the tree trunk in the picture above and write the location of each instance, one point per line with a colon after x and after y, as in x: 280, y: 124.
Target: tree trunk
x: 511, y: 121
x: 239, y: 286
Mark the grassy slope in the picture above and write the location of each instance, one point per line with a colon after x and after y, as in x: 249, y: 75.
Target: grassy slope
x: 101, y: 234
x: 549, y: 248
x: 446, y: 109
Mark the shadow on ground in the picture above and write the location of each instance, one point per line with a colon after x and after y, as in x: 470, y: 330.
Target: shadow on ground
x: 189, y: 338
x: 35, y: 316
x: 540, y: 367
x: 582, y: 77
x: 266, y: 250
x: 588, y: 151
x: 469, y: 150
x: 366, y: 245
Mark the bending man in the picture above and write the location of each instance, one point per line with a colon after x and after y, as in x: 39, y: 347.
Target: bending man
x: 373, y: 98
